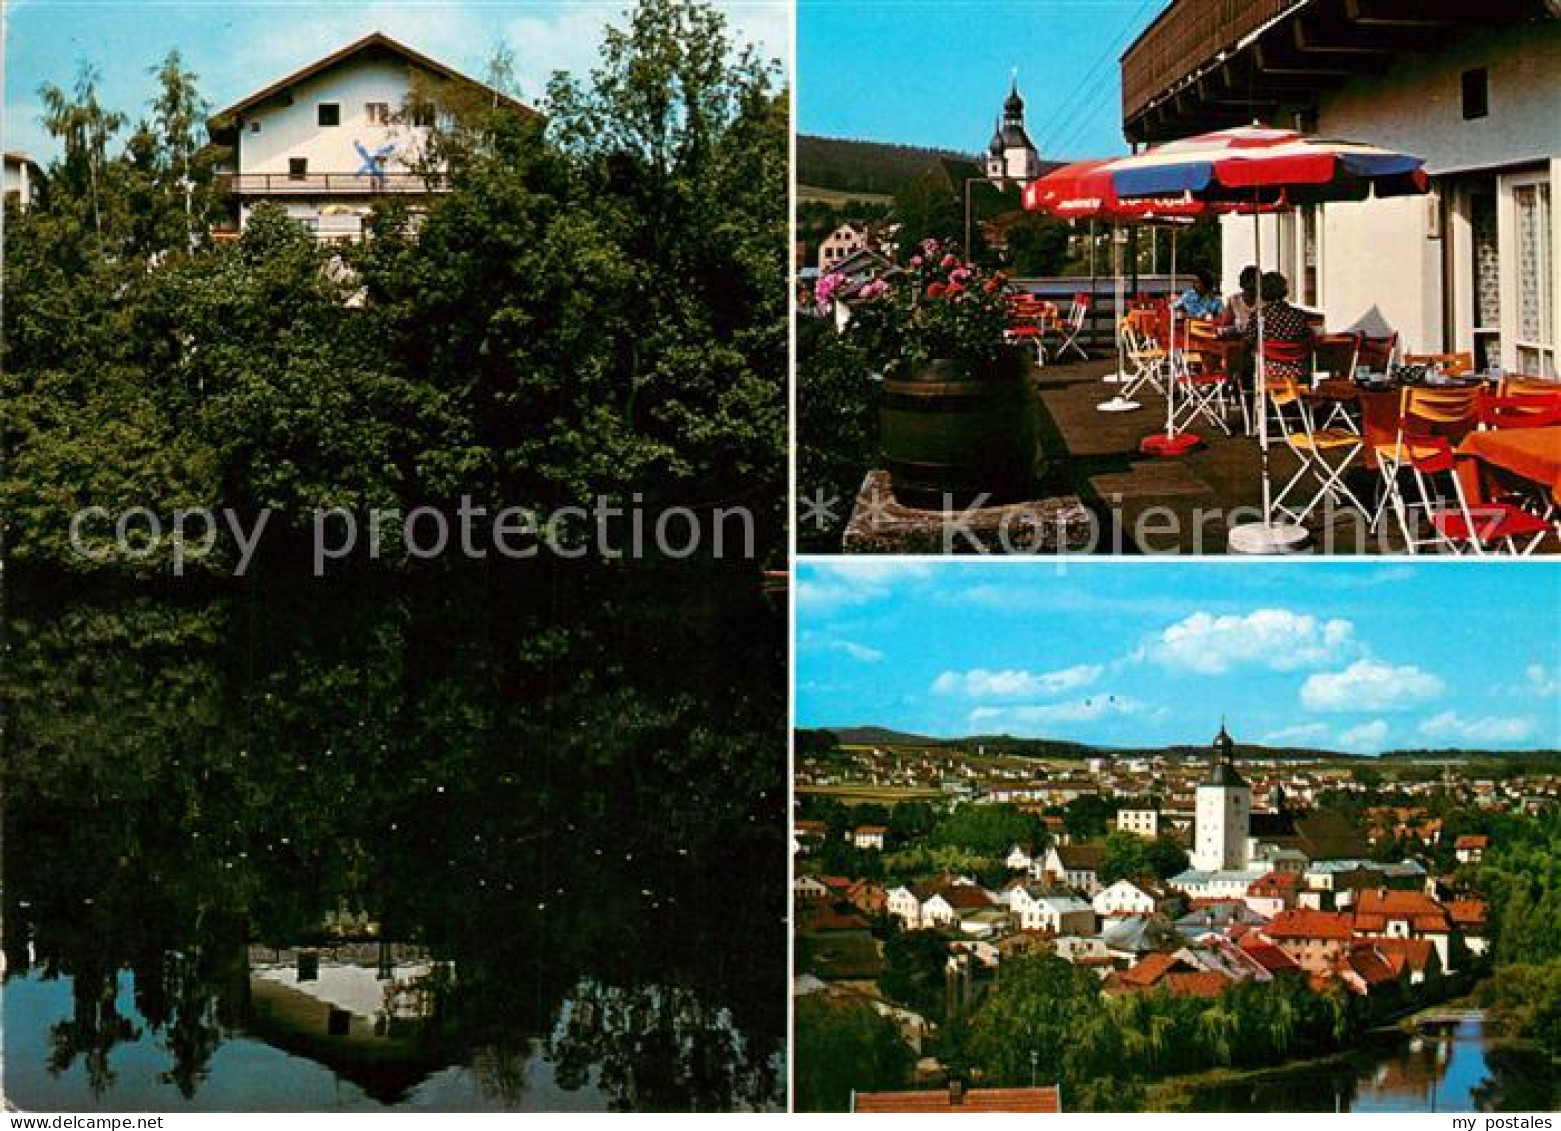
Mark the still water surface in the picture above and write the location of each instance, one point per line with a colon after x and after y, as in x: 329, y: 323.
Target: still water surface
x: 496, y: 842
x: 1456, y: 1069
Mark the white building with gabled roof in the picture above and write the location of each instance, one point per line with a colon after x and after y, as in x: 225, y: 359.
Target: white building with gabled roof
x: 330, y: 139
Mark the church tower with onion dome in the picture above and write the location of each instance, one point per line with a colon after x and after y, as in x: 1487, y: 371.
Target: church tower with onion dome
x: 1222, y: 812
x: 1011, y: 156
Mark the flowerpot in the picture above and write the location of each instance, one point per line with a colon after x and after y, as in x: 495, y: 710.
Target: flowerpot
x: 953, y: 432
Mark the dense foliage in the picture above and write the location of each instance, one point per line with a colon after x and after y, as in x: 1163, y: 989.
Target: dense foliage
x: 1104, y: 1051
x: 837, y: 429
x: 596, y: 309
x: 1521, y: 873
x: 844, y: 1047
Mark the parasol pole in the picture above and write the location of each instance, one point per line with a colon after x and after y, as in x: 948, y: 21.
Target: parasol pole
x: 1170, y: 353
x: 1264, y: 536
x: 1260, y: 369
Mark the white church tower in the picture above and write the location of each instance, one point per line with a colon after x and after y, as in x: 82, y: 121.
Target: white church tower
x: 1223, y: 812
x: 1011, y: 155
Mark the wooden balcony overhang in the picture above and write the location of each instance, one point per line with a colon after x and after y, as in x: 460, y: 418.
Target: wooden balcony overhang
x: 332, y: 184
x: 1207, y: 64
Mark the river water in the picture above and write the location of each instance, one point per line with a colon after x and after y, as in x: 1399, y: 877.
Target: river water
x: 488, y: 842
x: 1452, y: 1069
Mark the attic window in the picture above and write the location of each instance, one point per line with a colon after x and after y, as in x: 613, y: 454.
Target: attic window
x: 330, y: 113
x: 254, y: 127
x: 378, y: 113
x: 1476, y: 94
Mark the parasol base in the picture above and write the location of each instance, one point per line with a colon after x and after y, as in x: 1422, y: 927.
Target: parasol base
x: 1267, y: 538
x: 1117, y: 404
x: 1169, y: 443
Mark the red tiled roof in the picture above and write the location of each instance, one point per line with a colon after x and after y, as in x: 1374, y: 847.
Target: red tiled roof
x: 1267, y: 955
x: 1472, y: 842
x: 1413, y: 953
x: 1370, y: 965
x: 1303, y: 923
x: 1151, y: 969
x: 1467, y: 912
x: 1046, y: 1101
x: 965, y: 897
x: 838, y: 883
x: 1277, y: 882
x: 1375, y: 907
x: 877, y: 830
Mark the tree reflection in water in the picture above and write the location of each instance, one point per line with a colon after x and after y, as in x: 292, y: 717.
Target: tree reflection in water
x: 569, y: 790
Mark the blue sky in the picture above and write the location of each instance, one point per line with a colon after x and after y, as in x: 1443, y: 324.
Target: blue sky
x: 237, y: 48
x: 1346, y: 656
x: 935, y: 72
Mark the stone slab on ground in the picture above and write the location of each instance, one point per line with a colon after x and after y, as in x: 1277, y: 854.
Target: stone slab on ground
x: 880, y: 524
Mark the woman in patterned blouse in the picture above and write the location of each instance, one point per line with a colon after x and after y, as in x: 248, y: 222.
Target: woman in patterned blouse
x: 1281, y: 323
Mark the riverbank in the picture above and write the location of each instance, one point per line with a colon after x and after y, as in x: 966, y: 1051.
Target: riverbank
x: 1397, y: 1037
x: 1176, y: 1093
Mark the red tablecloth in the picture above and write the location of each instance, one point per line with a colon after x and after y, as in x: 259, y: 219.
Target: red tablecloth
x: 1533, y: 454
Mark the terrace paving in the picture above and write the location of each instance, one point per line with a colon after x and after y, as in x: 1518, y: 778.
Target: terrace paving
x: 1178, y: 505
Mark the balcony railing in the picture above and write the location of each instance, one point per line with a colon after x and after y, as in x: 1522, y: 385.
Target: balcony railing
x: 1187, y: 35
x: 331, y: 184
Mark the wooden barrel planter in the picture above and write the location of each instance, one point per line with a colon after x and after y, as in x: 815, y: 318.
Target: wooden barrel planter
x: 954, y: 432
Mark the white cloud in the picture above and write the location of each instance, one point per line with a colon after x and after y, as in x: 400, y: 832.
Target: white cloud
x: 825, y: 587
x: 1032, y: 716
x: 856, y: 651
x: 1542, y: 681
x: 1300, y: 733
x: 1277, y: 639
x: 1370, y: 685
x: 1367, y: 738
x: 979, y: 683
x: 1449, y: 726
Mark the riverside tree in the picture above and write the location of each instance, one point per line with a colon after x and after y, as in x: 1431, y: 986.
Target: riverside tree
x: 596, y: 308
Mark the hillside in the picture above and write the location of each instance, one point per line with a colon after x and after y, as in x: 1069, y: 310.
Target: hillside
x: 850, y: 167
x: 1004, y: 745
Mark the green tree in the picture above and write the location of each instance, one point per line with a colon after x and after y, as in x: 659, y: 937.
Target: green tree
x: 913, y: 972
x: 843, y: 1048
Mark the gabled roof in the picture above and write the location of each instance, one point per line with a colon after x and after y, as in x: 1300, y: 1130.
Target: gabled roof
x: 1308, y: 924
x: 224, y: 120
x: 1413, y: 953
x: 1467, y: 912
x: 965, y: 897
x: 1080, y: 857
x: 1046, y: 1101
x: 1369, y: 964
x: 1267, y: 955
x: 1375, y: 907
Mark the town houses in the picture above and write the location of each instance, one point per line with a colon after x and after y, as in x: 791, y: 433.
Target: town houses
x: 1275, y: 885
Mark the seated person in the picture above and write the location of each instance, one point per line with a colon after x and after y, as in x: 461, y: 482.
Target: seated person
x: 1239, y: 306
x: 1199, y: 302
x: 1281, y: 323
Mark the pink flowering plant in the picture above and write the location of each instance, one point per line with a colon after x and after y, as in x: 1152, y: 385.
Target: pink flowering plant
x: 938, y: 307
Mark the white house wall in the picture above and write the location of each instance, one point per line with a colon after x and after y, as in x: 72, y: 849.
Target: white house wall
x: 294, y: 131
x: 1379, y: 264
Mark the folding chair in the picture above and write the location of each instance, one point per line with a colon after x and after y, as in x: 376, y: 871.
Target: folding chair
x: 1071, y: 327
x: 1204, y: 386
x: 1452, y: 364
x: 1325, y: 453
x: 1377, y: 354
x: 1333, y: 357
x: 1517, y: 385
x: 1148, y: 359
x: 1424, y: 453
x: 1027, y: 319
